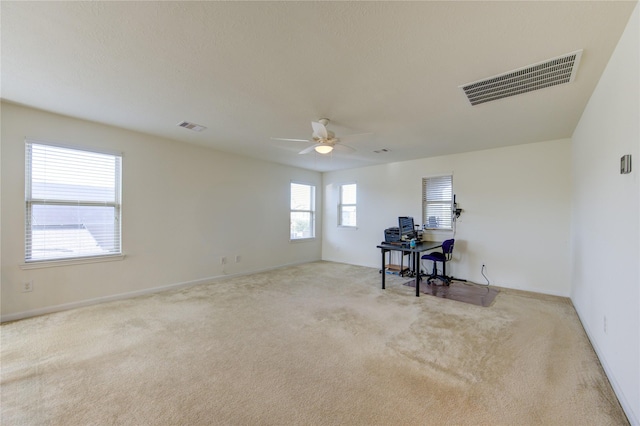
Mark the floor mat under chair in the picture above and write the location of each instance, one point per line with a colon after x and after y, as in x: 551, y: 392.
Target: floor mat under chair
x: 475, y: 294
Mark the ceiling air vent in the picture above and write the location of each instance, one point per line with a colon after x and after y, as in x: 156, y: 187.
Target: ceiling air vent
x: 549, y: 73
x: 191, y: 126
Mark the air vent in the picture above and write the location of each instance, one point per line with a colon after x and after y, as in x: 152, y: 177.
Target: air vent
x: 549, y: 73
x: 191, y: 126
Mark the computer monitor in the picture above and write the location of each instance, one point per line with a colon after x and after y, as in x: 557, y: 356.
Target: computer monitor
x: 405, y: 224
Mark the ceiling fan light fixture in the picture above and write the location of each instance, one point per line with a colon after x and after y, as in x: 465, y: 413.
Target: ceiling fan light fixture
x: 323, y: 149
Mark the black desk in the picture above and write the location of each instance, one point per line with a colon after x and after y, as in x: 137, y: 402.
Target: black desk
x: 415, y: 257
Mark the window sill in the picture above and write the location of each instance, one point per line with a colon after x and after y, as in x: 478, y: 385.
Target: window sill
x: 353, y: 228
x: 302, y: 240
x: 75, y: 261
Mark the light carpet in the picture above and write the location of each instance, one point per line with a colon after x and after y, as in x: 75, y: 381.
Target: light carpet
x: 313, y: 344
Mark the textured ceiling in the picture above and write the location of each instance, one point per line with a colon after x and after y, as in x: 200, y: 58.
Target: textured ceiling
x: 252, y: 70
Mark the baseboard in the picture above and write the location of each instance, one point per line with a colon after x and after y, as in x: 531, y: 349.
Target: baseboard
x: 479, y: 282
x: 626, y: 406
x: 128, y: 295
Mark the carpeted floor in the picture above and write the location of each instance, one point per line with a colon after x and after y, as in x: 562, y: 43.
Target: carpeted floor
x: 314, y: 344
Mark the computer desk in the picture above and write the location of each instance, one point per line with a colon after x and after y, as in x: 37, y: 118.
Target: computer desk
x: 415, y: 252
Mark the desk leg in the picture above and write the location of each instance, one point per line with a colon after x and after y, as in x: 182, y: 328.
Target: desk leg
x: 417, y: 272
x: 382, y: 271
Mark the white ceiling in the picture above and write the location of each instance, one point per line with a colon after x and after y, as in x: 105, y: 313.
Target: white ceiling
x: 252, y: 70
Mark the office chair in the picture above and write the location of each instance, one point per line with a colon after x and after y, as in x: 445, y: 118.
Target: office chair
x: 444, y: 257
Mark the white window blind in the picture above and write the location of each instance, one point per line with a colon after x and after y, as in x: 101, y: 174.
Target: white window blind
x: 437, y: 202
x: 347, y: 208
x: 303, y: 206
x: 72, y: 203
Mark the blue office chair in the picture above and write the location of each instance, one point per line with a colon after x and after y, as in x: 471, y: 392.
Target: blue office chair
x: 444, y: 257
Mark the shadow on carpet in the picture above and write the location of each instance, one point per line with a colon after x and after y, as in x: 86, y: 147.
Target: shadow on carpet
x: 475, y: 294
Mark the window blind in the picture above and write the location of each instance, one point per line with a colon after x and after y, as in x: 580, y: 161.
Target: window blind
x: 302, y: 218
x: 347, y: 207
x: 72, y: 203
x: 437, y: 202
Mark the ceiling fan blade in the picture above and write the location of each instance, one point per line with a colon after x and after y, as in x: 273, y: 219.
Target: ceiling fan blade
x: 291, y: 140
x: 354, y: 136
x: 343, y: 148
x: 319, y: 130
x: 309, y: 149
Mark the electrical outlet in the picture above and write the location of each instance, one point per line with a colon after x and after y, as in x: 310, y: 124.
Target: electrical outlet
x: 223, y: 260
x: 238, y: 259
x: 604, y: 325
x: 27, y: 286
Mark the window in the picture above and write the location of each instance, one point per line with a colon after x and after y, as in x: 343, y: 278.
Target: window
x: 72, y: 203
x: 303, y: 211
x: 347, y: 206
x: 437, y: 202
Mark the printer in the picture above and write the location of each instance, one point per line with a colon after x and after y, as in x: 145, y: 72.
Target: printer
x: 392, y: 235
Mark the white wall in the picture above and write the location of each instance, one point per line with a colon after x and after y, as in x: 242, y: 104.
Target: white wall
x: 516, y: 203
x: 184, y: 207
x: 606, y: 210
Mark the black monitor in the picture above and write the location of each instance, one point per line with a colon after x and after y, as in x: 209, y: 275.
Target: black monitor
x: 405, y: 223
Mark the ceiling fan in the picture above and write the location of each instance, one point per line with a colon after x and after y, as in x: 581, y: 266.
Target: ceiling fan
x: 324, y: 141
